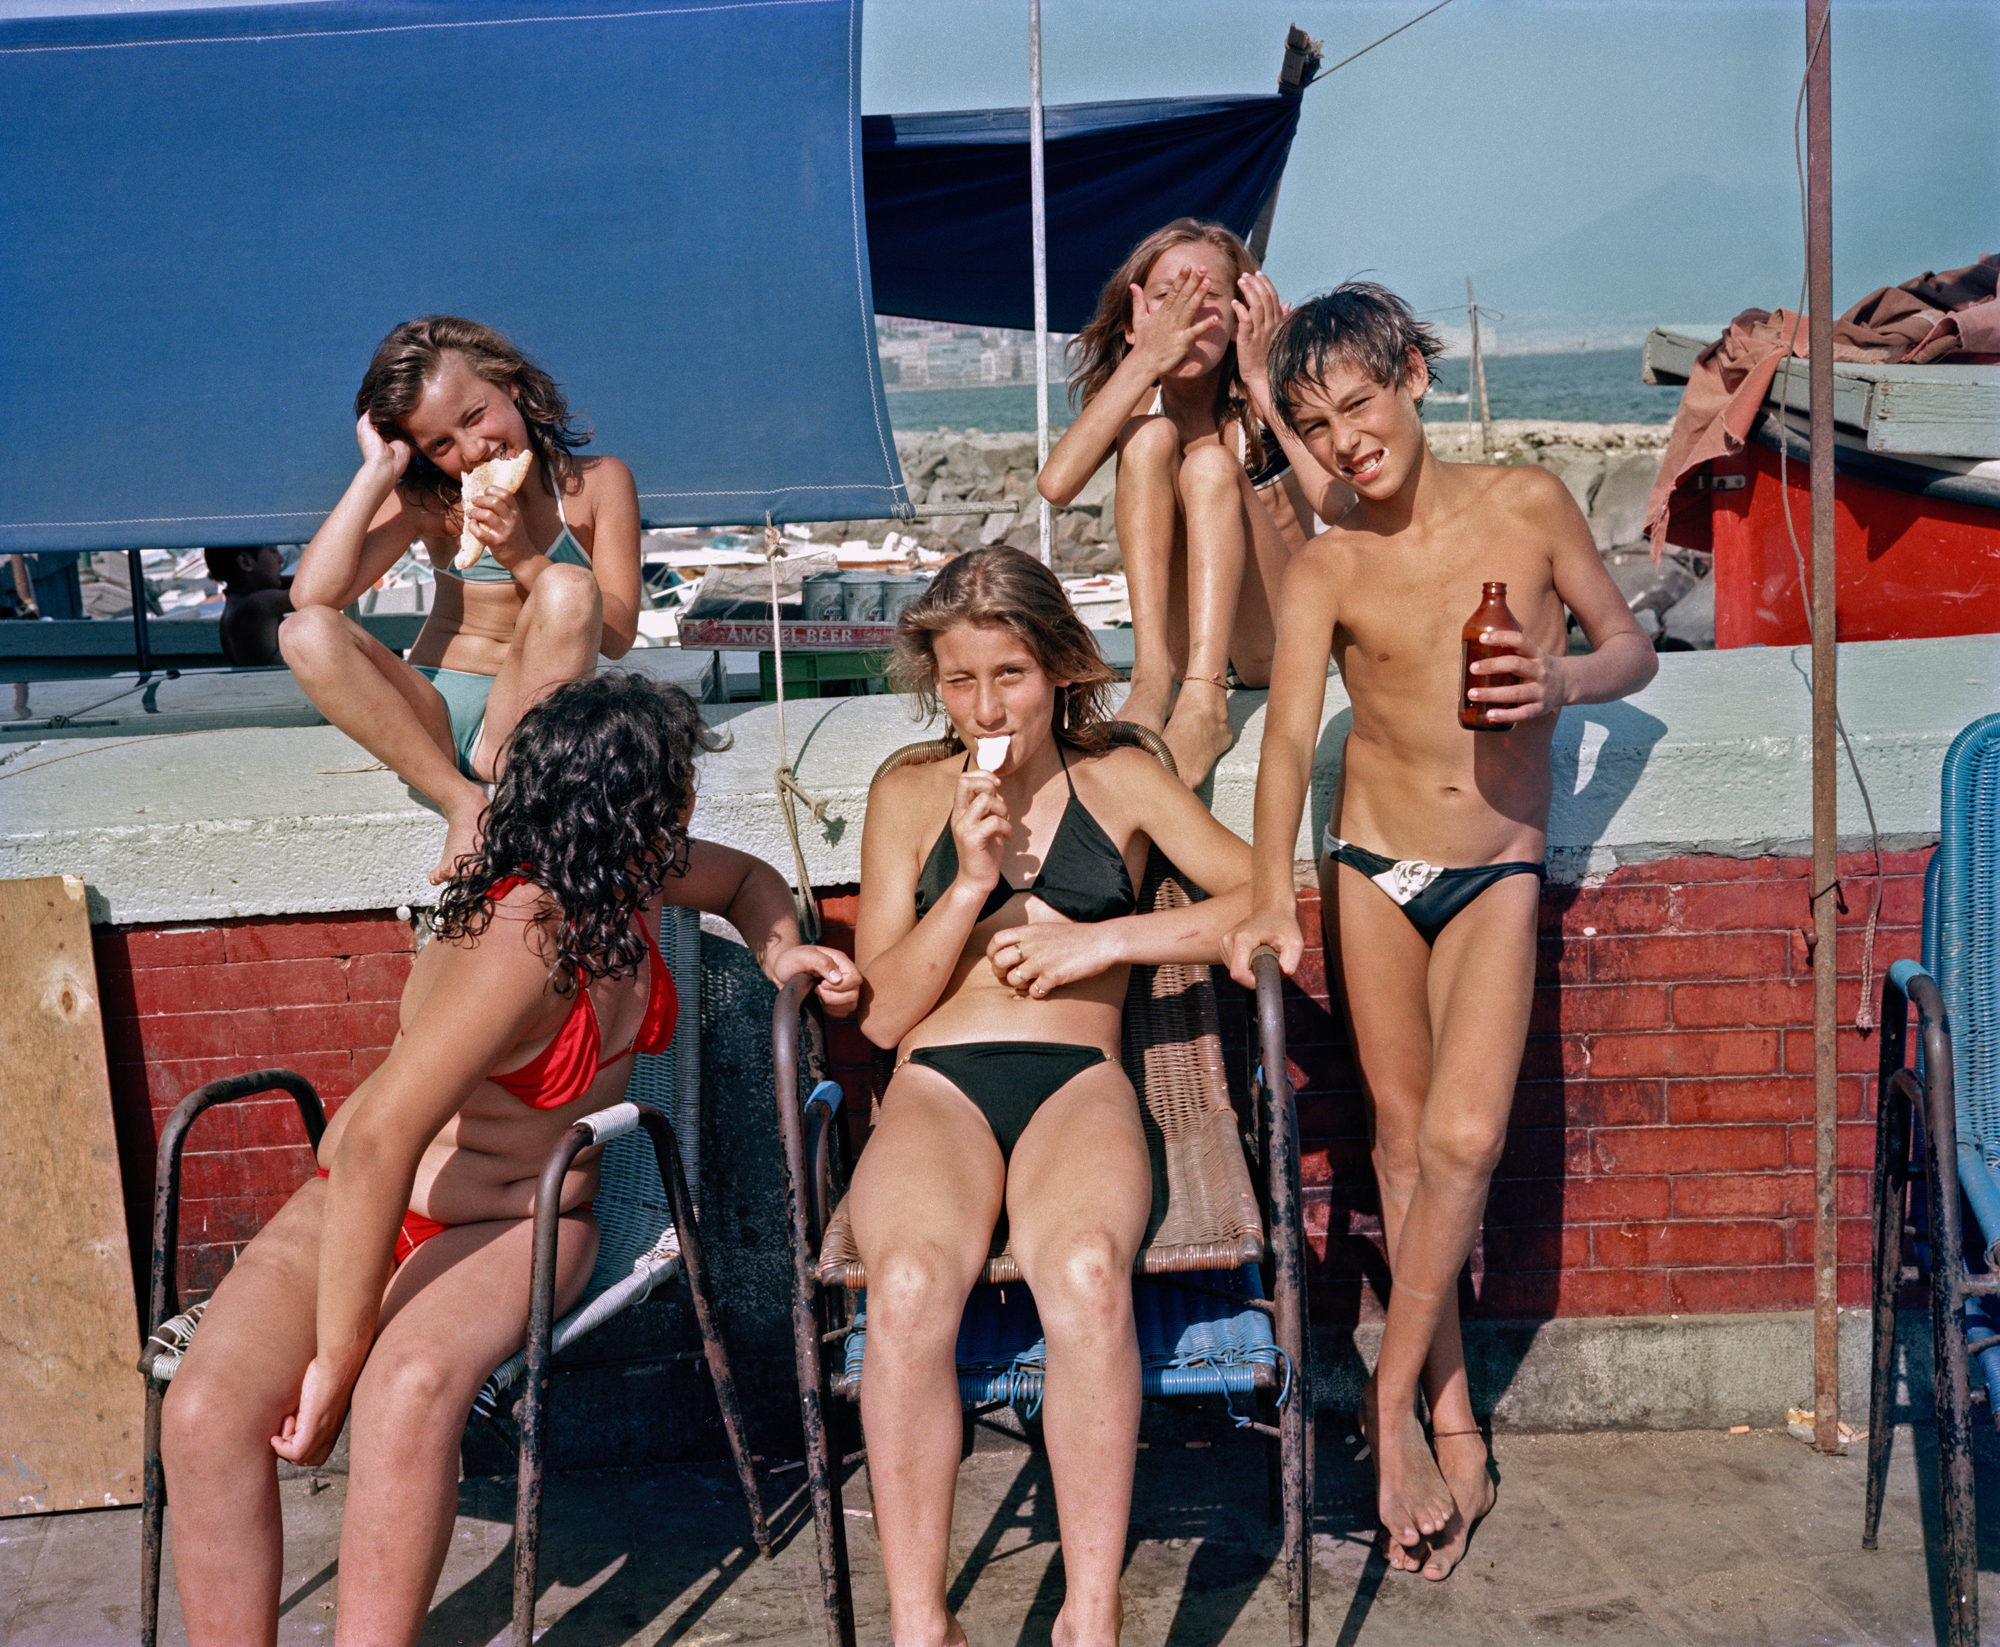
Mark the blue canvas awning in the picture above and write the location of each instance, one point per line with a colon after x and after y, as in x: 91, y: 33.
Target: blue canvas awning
x: 209, y: 216
x: 948, y: 211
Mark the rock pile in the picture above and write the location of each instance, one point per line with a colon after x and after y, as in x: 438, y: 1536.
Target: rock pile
x: 1608, y: 468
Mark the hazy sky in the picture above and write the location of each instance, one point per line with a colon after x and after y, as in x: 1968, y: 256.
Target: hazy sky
x: 1497, y: 126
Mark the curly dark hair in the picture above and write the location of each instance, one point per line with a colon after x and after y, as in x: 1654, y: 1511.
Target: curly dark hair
x: 409, y: 358
x: 1358, y: 322
x: 1007, y: 589
x: 592, y: 806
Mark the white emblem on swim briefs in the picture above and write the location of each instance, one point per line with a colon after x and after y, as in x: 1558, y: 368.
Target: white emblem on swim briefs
x: 1405, y: 880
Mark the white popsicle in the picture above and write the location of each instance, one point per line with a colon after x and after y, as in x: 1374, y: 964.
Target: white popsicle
x: 992, y: 753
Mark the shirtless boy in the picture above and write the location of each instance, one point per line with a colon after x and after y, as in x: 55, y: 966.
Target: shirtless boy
x: 1444, y: 965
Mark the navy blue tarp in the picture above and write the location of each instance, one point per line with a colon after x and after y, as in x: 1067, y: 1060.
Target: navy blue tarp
x: 949, y: 215
x: 208, y: 217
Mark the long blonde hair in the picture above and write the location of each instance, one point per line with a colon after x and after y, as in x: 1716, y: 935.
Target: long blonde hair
x: 1094, y: 353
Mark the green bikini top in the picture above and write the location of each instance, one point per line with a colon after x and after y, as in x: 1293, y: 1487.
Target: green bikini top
x: 565, y: 551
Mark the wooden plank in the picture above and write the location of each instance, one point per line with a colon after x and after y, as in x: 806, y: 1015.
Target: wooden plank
x: 72, y: 1407
x: 1942, y: 410
x: 1853, y: 391
x: 1958, y: 418
x: 1670, y: 354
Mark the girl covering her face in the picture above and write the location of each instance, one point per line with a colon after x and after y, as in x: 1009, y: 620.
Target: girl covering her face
x: 1169, y: 375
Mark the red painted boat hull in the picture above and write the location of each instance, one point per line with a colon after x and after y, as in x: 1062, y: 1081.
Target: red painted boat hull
x: 1907, y: 565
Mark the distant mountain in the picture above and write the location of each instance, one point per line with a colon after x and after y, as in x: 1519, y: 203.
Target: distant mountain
x: 1698, y: 249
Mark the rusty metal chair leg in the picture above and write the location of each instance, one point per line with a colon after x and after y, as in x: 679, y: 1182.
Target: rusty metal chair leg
x: 667, y: 1149
x: 152, y: 1527
x: 535, y: 1389
x: 1894, y: 1090
x: 1287, y: 1232
x: 163, y: 1301
x: 596, y: 1129
x: 822, y: 1469
x: 1954, y: 1392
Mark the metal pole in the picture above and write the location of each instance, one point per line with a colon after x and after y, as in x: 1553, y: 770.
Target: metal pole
x: 1475, y: 386
x: 140, y: 640
x: 1294, y: 75
x: 1035, y: 196
x: 1826, y: 866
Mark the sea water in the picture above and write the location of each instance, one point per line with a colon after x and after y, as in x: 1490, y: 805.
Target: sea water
x: 1577, y: 386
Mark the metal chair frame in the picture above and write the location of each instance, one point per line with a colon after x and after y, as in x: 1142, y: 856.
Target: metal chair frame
x: 598, y: 1128
x: 1957, y: 996
x: 820, y: 1312
x: 1950, y: 1282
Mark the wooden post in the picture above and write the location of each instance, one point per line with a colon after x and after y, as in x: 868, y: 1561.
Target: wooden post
x: 1294, y: 75
x: 1825, y: 848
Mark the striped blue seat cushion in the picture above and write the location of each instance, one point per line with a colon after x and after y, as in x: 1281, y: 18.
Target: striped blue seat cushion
x: 1191, y: 1342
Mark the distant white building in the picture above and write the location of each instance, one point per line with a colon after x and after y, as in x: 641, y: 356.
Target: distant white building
x: 931, y: 354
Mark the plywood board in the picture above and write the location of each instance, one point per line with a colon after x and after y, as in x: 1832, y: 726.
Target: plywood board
x: 72, y: 1407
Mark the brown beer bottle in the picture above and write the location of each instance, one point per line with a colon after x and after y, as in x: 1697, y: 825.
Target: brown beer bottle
x: 1492, y: 614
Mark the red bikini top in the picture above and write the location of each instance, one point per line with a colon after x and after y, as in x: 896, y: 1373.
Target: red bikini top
x: 562, y: 1071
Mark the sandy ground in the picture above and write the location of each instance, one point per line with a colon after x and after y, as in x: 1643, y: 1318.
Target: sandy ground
x: 1607, y: 1538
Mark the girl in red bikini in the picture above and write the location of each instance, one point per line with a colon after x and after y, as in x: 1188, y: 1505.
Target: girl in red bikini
x: 393, y: 1283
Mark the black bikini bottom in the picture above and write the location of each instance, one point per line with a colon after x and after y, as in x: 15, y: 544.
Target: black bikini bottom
x: 1429, y: 896
x: 1009, y: 1080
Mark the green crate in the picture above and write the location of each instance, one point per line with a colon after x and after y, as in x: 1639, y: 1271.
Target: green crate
x: 821, y: 674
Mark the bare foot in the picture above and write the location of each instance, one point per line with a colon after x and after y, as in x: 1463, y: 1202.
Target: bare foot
x: 1198, y: 734
x: 1410, y: 1495
x: 1461, y: 1458
x: 949, y: 1636
x: 1066, y: 1633
x: 1146, y: 704
x: 461, y: 839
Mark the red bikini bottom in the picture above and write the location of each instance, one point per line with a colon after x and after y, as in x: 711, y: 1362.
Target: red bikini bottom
x: 417, y: 1229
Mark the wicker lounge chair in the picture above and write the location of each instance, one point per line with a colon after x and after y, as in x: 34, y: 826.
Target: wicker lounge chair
x: 1220, y: 1310
x: 1956, y: 1091
x: 647, y: 1236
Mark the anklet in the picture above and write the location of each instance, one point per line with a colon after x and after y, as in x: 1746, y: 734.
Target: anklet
x: 1205, y: 680
x: 1446, y: 1435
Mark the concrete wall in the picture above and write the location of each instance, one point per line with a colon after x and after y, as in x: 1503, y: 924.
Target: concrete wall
x: 1713, y: 758
x: 246, y: 887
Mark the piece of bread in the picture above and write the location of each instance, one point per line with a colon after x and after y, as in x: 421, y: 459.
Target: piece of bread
x: 505, y: 473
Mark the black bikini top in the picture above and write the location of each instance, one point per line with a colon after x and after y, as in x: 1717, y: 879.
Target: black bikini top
x: 1083, y: 875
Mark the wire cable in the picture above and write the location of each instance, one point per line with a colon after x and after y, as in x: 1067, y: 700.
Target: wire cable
x: 1365, y: 50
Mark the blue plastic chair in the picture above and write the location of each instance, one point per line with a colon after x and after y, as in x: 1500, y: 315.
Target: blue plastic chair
x: 1955, y: 1088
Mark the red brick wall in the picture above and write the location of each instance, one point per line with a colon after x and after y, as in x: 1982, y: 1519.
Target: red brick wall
x: 184, y: 1005
x: 1660, y: 1157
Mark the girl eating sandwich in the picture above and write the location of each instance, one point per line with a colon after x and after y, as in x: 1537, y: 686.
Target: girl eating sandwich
x: 536, y: 562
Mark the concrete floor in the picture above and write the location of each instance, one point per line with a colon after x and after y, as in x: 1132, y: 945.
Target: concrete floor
x: 1608, y: 1538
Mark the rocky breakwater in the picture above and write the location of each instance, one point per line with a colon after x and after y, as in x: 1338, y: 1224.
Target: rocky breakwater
x: 1608, y: 468
x: 993, y: 476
